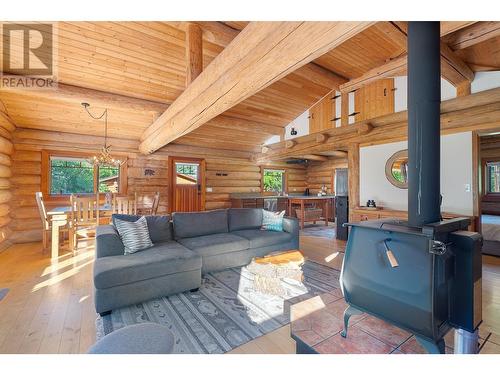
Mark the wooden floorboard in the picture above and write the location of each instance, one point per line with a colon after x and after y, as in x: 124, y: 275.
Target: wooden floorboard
x: 50, y: 308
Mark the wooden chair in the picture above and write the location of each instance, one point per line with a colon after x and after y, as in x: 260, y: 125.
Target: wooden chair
x: 46, y: 223
x: 125, y: 205
x: 147, y: 204
x: 84, y: 215
x: 156, y: 202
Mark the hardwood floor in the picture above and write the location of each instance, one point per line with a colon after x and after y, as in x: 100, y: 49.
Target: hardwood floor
x: 49, y: 307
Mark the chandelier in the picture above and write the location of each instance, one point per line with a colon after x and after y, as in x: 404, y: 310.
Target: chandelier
x: 104, y: 158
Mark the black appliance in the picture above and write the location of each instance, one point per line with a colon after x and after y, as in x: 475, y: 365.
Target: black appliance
x: 341, y: 181
x: 341, y: 217
x: 423, y: 275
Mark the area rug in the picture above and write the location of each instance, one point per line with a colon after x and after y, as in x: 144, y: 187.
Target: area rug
x: 3, y: 293
x: 318, y: 231
x: 225, y: 312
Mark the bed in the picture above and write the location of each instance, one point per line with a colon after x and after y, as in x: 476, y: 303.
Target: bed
x: 490, y: 226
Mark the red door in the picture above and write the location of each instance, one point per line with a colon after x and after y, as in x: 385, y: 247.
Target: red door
x: 187, y: 184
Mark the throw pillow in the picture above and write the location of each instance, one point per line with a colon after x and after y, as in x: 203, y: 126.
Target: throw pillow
x: 272, y: 221
x: 134, y: 235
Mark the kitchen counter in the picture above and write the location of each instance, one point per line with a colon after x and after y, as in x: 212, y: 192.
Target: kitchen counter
x: 288, y: 203
x: 259, y: 195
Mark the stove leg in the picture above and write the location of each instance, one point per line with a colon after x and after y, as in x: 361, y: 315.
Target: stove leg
x: 466, y: 342
x: 350, y: 311
x: 432, y: 347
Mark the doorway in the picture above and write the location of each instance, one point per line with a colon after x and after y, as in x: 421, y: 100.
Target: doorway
x: 187, y: 184
x: 489, y: 192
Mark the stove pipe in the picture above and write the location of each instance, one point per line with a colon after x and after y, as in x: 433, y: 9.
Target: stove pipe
x: 424, y: 98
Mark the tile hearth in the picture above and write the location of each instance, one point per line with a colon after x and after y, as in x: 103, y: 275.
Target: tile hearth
x: 316, y: 324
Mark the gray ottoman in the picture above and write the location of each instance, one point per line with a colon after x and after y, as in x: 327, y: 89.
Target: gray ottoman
x: 144, y: 338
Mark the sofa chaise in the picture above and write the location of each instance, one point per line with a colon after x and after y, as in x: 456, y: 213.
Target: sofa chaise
x: 185, y: 246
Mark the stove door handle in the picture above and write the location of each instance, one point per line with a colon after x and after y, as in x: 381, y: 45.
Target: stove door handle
x: 390, y: 255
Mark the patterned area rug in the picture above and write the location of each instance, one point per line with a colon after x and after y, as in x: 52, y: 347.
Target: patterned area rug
x: 226, y: 312
x: 318, y: 230
x: 3, y: 293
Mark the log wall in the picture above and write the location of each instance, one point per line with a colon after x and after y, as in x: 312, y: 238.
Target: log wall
x: 322, y: 173
x: 224, y: 175
x: 6, y: 150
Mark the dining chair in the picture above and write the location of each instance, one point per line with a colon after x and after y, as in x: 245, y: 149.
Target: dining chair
x: 148, y: 204
x: 46, y: 223
x: 156, y: 202
x: 125, y: 205
x: 84, y: 215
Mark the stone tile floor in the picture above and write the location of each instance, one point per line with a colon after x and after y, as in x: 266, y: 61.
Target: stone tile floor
x: 318, y: 321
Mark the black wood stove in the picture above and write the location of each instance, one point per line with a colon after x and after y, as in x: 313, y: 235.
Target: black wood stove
x: 423, y: 275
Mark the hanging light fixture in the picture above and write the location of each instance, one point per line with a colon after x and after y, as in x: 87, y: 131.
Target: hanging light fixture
x: 104, y: 158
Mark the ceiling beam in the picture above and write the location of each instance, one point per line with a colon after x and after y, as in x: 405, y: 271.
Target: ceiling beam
x: 260, y: 55
x: 313, y: 157
x: 320, y: 76
x: 221, y: 34
x: 453, y: 69
x: 474, y: 34
x: 77, y: 95
x: 390, y: 69
x: 448, y: 27
x: 478, y: 111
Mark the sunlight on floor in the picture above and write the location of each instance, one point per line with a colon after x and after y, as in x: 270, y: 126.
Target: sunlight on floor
x: 70, y: 260
x: 331, y: 257
x: 60, y: 277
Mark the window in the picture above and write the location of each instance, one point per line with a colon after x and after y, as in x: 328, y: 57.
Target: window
x: 74, y: 174
x: 493, y: 177
x: 186, y: 173
x: 71, y: 175
x: 273, y: 180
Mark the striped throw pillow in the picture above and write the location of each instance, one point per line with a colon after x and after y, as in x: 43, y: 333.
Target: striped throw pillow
x: 273, y: 221
x: 134, y: 235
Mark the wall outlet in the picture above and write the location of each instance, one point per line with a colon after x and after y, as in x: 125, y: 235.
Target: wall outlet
x: 467, y: 188
x: 209, y: 189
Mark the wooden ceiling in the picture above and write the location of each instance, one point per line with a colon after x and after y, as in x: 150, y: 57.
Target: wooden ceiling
x: 146, y: 61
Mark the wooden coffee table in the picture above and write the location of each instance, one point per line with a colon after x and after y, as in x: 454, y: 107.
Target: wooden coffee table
x: 271, y: 269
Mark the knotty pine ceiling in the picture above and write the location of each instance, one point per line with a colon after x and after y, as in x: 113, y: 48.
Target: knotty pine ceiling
x: 146, y: 60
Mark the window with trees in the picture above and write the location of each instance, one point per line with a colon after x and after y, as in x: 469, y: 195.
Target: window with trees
x: 77, y: 175
x: 273, y: 180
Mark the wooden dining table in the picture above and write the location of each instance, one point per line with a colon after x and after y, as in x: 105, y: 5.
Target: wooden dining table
x: 59, y: 218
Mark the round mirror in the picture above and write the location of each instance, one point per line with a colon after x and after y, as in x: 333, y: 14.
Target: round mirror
x: 396, y: 169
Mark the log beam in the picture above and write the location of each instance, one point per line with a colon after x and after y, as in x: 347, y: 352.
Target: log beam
x: 315, y: 157
x: 77, y: 95
x: 453, y: 69
x: 254, y: 60
x: 394, y: 67
x: 476, y: 33
x: 480, y: 111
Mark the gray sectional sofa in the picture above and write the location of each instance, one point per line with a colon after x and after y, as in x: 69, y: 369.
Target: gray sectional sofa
x: 185, y: 246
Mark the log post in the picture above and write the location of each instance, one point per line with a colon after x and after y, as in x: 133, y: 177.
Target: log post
x: 353, y: 176
x: 194, y: 52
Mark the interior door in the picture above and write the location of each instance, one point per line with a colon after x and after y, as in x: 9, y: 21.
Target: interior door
x: 187, y: 184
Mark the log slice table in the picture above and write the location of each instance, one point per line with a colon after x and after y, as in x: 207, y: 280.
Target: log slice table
x: 270, y: 270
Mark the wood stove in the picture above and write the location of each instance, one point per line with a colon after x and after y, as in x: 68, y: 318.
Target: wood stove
x: 425, y: 280
x: 423, y: 275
